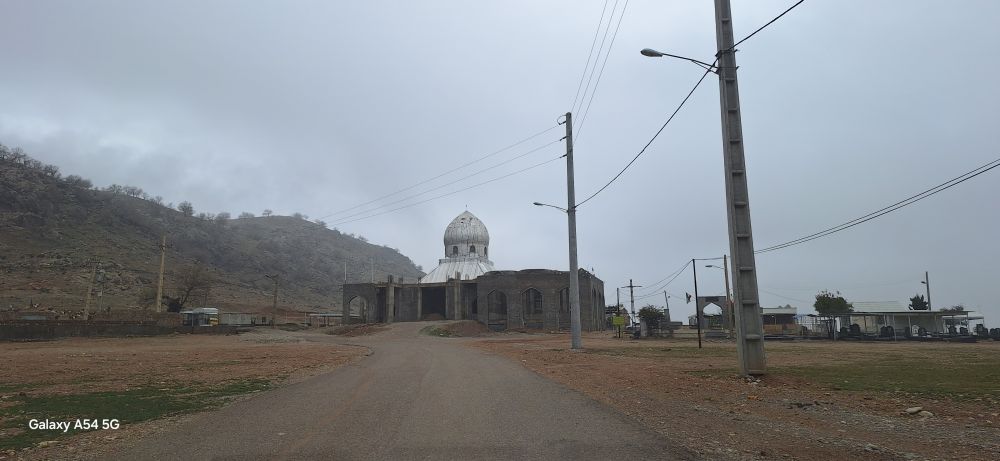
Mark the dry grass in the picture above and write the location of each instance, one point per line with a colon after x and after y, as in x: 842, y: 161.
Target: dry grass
x: 818, y: 400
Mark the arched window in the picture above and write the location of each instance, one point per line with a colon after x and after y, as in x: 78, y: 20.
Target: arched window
x: 532, y: 314
x: 472, y: 248
x: 486, y: 251
x: 454, y: 250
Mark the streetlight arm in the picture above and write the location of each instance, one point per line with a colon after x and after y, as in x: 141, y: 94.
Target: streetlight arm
x: 659, y: 54
x: 553, y: 206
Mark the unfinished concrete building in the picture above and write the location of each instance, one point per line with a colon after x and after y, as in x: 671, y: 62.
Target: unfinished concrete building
x: 465, y: 286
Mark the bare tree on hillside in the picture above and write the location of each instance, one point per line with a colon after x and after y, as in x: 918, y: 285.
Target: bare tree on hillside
x: 267, y: 212
x: 77, y: 181
x: 186, y: 208
x: 246, y: 215
x: 195, y: 282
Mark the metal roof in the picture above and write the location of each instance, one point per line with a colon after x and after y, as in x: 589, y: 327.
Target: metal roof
x: 878, y: 306
x: 466, y: 228
x: 468, y: 267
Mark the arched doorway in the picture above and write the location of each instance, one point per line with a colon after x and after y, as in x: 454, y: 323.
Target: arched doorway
x: 563, y: 314
x: 496, y: 317
x: 531, y: 305
x: 356, y: 310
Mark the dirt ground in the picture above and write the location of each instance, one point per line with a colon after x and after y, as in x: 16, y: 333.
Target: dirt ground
x: 214, y: 366
x: 819, y: 400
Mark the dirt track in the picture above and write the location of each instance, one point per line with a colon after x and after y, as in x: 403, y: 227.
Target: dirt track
x: 440, y: 397
x: 695, y: 397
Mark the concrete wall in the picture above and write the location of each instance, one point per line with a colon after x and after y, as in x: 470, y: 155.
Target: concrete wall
x: 53, y: 329
x: 469, y: 299
x: 549, y: 283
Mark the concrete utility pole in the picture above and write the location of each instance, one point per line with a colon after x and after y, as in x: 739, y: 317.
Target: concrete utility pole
x: 631, y: 294
x: 274, y: 306
x: 574, y: 270
x: 159, y: 285
x: 666, y: 302
x: 727, y: 321
x: 749, y: 325
x: 373, y: 268
x: 729, y: 299
x: 697, y: 301
x: 90, y: 289
x: 927, y: 282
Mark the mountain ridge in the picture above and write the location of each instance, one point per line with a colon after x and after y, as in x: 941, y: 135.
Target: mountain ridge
x: 56, y: 233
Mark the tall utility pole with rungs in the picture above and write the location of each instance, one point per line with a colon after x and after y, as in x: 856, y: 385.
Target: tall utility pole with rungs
x: 631, y: 296
x: 90, y: 289
x: 574, y: 269
x: 749, y: 326
x: 159, y: 284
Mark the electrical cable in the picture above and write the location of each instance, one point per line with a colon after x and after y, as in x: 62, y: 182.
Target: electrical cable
x: 600, y: 49
x: 443, y: 174
x: 671, y: 274
x: 442, y: 186
x: 452, y: 192
x: 686, y: 98
x: 765, y: 25
x: 601, y: 73
x: 587, y: 66
x: 672, y: 278
x: 782, y: 297
x: 888, y: 209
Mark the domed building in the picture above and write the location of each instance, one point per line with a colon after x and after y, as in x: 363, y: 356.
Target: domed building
x: 466, y: 251
x: 466, y: 286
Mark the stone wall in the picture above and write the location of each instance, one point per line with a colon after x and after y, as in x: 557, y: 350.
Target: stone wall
x: 53, y: 329
x: 470, y: 299
x: 549, y: 283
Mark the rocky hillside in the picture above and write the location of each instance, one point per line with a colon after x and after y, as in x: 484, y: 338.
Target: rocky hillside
x: 54, y: 231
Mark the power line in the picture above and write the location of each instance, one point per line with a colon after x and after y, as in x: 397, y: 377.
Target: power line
x: 888, y: 209
x: 600, y: 49
x: 765, y: 25
x: 672, y: 278
x: 442, y: 186
x: 587, y: 66
x: 671, y: 274
x: 603, y: 64
x: 783, y: 297
x: 696, y: 85
x: 511, y: 146
x: 452, y: 192
x: 909, y: 280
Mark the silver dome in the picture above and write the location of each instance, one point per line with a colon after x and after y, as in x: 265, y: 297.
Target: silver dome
x: 466, y: 229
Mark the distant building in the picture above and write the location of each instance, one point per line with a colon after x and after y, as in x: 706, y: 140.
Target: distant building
x: 890, y: 319
x: 200, y: 317
x: 466, y: 286
x: 780, y: 320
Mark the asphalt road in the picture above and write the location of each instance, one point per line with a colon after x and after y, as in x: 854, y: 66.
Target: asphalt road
x: 414, y: 397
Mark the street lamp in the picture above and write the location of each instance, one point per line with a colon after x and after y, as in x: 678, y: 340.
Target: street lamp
x: 927, y: 281
x: 746, y: 304
x: 553, y: 206
x: 570, y: 210
x: 649, y: 52
x: 574, y: 278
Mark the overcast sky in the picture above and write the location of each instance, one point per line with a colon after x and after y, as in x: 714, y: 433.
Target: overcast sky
x: 316, y: 107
